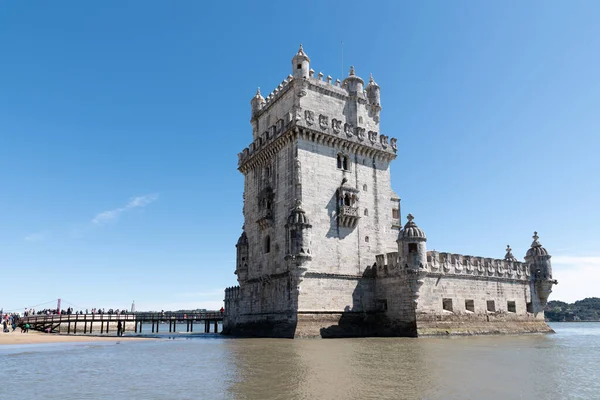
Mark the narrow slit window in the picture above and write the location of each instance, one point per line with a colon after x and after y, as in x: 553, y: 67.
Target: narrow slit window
x: 345, y: 163
x: 267, y: 244
x: 339, y: 161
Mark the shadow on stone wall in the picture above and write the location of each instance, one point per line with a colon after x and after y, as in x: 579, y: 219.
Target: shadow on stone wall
x: 364, y: 319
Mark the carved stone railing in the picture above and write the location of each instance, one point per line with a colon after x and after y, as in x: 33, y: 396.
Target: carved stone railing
x: 348, y: 216
x: 458, y: 264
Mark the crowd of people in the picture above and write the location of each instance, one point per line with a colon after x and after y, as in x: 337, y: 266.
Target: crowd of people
x: 70, y: 311
x: 11, y: 321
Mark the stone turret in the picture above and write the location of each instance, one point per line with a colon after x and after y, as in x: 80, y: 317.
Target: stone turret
x: 411, y: 246
x: 353, y: 83
x: 300, y: 65
x: 242, y: 257
x: 298, y: 228
x: 374, y: 97
x: 540, y: 267
x: 257, y: 102
x: 412, y: 253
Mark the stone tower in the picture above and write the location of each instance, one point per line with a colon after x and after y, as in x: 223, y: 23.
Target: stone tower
x: 318, y: 203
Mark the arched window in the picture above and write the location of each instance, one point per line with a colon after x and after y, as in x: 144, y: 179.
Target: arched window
x: 267, y: 244
x: 366, y: 212
x: 339, y: 161
x: 345, y: 163
x: 346, y: 200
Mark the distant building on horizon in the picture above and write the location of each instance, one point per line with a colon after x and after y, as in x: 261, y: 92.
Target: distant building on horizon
x: 323, y: 251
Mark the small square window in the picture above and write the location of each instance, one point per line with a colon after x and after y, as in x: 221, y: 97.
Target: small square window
x: 447, y: 304
x: 395, y: 213
x: 529, y: 307
x: 299, y: 66
x: 470, y: 305
x: 412, y: 247
x: 491, y: 306
x: 511, y: 306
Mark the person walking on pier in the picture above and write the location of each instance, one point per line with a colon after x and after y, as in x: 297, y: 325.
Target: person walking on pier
x: 119, y: 328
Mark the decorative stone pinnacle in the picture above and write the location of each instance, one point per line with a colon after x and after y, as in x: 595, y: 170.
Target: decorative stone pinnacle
x: 301, y: 50
x: 410, y: 217
x: 371, y: 78
x: 535, y: 236
x: 258, y: 91
x: 352, y: 70
x: 298, y: 203
x: 508, y: 249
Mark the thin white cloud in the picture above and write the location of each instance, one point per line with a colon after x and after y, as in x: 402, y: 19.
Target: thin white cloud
x: 135, y: 202
x: 35, y: 237
x: 578, y: 277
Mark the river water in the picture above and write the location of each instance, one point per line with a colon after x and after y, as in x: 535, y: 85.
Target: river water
x: 565, y: 365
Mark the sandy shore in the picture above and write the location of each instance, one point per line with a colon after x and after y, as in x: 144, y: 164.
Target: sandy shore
x: 34, y: 337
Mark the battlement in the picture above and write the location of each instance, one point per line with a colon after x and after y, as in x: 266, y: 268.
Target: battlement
x: 459, y: 264
x: 232, y: 293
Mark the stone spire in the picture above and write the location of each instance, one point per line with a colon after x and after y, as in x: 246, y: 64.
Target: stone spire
x: 353, y: 83
x: 509, y: 255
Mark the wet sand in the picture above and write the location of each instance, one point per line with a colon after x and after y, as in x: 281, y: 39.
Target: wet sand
x: 33, y: 337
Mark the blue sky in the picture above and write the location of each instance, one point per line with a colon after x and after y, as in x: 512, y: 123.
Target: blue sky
x: 120, y: 124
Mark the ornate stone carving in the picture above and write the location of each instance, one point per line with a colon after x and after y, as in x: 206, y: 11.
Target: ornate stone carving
x: 458, y: 267
x: 393, y: 143
x: 348, y: 130
x: 323, y: 121
x: 336, y: 126
x: 360, y: 133
x: 384, y: 141
x: 469, y: 265
x: 309, y: 116
x: 372, y: 136
x: 302, y: 93
x: 446, y: 263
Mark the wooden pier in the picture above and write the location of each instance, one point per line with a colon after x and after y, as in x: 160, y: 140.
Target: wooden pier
x: 86, y: 323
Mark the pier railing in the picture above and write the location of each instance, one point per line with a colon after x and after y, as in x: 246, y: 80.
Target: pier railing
x: 68, y: 323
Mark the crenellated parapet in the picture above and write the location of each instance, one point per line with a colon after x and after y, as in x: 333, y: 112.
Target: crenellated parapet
x: 232, y: 293
x: 295, y: 107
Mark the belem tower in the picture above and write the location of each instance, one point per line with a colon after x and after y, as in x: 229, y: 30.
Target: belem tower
x: 323, y: 252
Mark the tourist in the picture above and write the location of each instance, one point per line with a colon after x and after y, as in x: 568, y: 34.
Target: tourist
x: 119, y: 328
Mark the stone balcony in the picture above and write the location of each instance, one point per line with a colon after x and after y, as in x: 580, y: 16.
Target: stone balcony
x: 265, y: 218
x: 348, y: 216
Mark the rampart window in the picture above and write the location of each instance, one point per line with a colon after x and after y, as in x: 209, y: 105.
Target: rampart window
x: 343, y: 162
x: 267, y: 244
x: 511, y: 306
x: 412, y: 247
x: 491, y: 306
x: 470, y: 305
x: 529, y: 307
x: 395, y: 213
x: 447, y: 304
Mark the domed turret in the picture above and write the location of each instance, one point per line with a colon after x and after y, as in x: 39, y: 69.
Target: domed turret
x: 540, y: 268
x: 241, y: 269
x: 373, y: 92
x: 298, y: 237
x: 536, y: 248
x: 411, y: 245
x: 257, y: 102
x: 353, y: 83
x: 300, y: 64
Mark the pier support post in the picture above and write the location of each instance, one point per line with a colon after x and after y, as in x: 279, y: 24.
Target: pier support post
x: 102, y: 327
